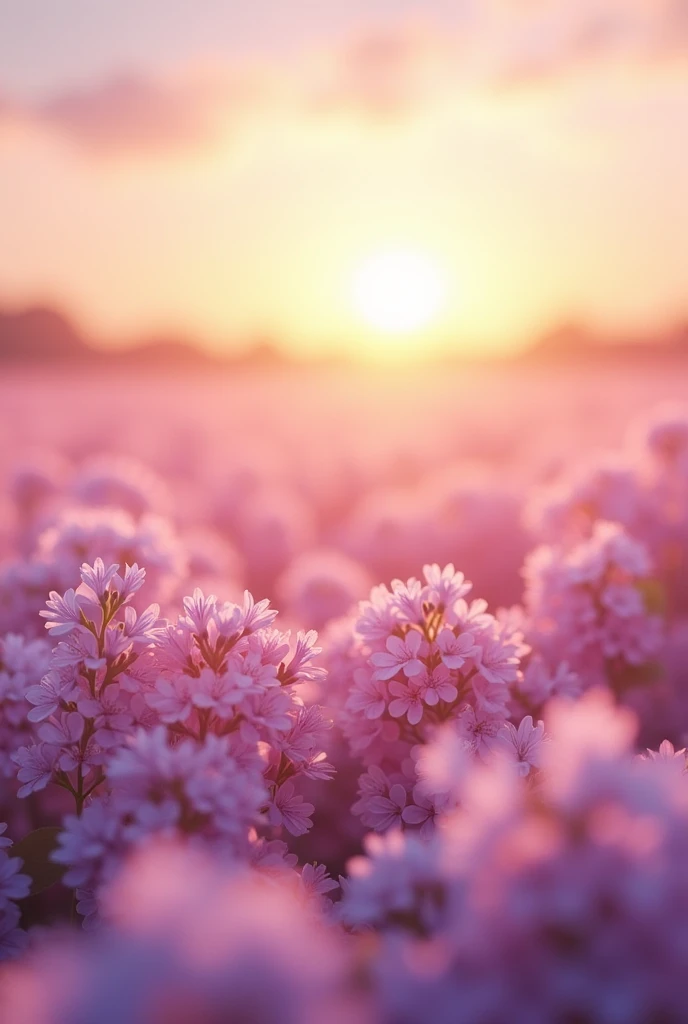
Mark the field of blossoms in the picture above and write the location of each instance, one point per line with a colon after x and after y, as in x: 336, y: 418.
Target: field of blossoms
x: 344, y: 696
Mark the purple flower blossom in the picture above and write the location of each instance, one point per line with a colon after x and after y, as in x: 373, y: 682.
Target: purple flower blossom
x: 523, y: 744
x: 289, y: 808
x: 63, y: 613
x: 400, y: 654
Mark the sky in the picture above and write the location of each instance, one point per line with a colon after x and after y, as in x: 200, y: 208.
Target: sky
x: 223, y: 170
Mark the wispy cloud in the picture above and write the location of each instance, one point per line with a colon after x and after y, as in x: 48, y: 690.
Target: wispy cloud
x: 387, y: 73
x: 136, y: 114
x: 131, y: 111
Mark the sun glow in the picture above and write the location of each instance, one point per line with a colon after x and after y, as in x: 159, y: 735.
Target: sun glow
x: 398, y: 291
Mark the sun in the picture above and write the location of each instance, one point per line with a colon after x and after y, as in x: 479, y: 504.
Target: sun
x: 398, y: 291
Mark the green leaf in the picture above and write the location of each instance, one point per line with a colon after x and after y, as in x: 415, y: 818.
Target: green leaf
x: 35, y: 849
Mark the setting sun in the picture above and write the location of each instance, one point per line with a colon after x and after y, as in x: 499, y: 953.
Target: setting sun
x: 398, y: 291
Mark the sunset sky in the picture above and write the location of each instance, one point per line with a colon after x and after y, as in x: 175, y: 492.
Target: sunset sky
x: 229, y: 170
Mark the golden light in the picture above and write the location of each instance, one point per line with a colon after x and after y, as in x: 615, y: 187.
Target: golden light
x: 399, y: 291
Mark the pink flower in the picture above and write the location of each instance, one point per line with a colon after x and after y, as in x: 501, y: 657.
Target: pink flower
x: 97, y: 578
x: 384, y: 812
x: 369, y: 695
x: 497, y: 662
x: 254, y: 615
x: 315, y: 879
x: 63, y: 613
x: 36, y: 766
x: 48, y: 696
x: 199, y: 610
x: 291, y: 810
x: 523, y: 744
x: 437, y: 686
x: 128, y: 585
x: 299, y: 668
x: 139, y: 628
x: 64, y: 730
x: 401, y: 654
x: 480, y: 729
x: 444, y: 586
x: 455, y: 649
x: 668, y: 755
x: 408, y: 702
x: 421, y: 812
x: 173, y: 699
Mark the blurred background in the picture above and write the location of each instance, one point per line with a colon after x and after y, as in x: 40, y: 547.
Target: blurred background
x: 376, y: 180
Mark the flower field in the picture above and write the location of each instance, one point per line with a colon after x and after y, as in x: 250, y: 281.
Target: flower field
x: 344, y: 695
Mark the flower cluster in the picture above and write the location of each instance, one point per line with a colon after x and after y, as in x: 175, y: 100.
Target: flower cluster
x: 598, y: 603
x: 539, y: 888
x: 224, y: 670
x: 423, y: 657
x: 23, y: 663
x: 644, y: 488
x: 525, y: 775
x: 76, y: 534
x: 13, y: 886
x: 90, y: 700
x: 195, y: 942
x: 190, y: 728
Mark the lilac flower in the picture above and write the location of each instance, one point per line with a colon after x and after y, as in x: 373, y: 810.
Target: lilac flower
x: 523, y: 744
x: 90, y: 846
x: 480, y: 729
x: 97, y: 577
x: 22, y: 663
x: 422, y: 812
x: 138, y: 627
x: 455, y: 649
x: 173, y: 699
x: 255, y: 616
x: 49, y: 696
x: 66, y: 729
x: 408, y: 702
x: 537, y: 883
x: 587, y: 605
x: 199, y: 610
x: 368, y: 695
x: 316, y: 880
x: 36, y: 766
x: 306, y: 735
x: 667, y: 754
x: 129, y: 584
x: 13, y: 939
x: 63, y: 613
x: 299, y: 668
x: 421, y: 656
x: 384, y: 812
x: 227, y: 944
x: 445, y: 586
x: 270, y: 709
x: 436, y: 685
x: 401, y: 654
x: 13, y: 885
x: 290, y: 809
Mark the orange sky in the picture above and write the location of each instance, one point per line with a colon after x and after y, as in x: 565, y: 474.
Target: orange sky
x: 228, y: 179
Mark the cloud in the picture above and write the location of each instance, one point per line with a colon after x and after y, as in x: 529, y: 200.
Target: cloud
x: 539, y: 42
x: 382, y: 74
x: 136, y: 114
x: 132, y: 112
